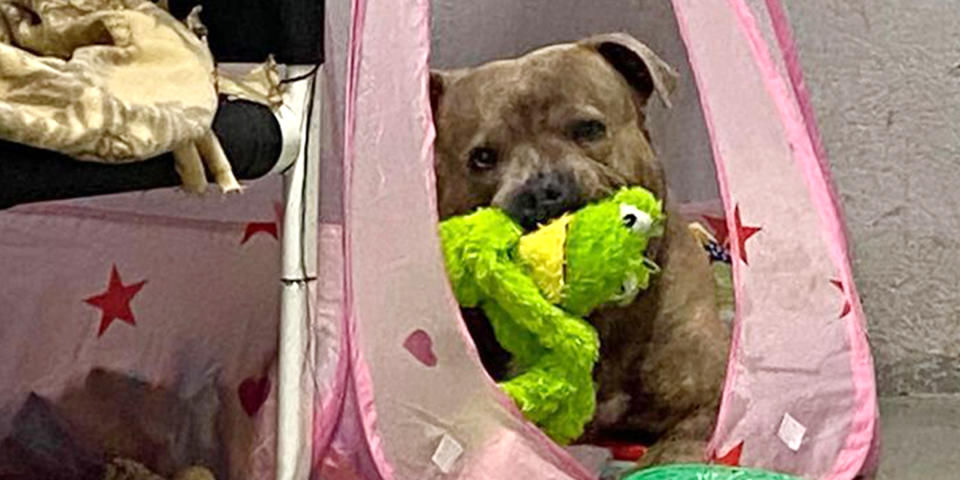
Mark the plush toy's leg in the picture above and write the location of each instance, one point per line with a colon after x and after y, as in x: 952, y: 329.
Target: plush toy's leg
x: 190, y: 168
x: 527, y: 310
x: 577, y: 411
x: 556, y: 394
x: 538, y: 393
x: 556, y: 351
x: 523, y: 346
x: 216, y: 161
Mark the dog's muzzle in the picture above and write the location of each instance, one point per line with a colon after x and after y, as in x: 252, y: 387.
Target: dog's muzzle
x: 543, y: 197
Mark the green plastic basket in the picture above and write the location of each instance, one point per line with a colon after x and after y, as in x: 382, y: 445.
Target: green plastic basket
x: 706, y: 472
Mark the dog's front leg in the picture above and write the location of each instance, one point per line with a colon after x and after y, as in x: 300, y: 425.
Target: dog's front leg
x: 686, y: 442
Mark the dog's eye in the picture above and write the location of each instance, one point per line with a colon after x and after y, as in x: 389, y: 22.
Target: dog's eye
x: 588, y: 130
x: 482, y: 158
x: 635, y: 219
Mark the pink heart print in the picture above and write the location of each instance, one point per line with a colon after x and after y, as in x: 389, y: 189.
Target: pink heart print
x: 420, y: 345
x: 253, y: 392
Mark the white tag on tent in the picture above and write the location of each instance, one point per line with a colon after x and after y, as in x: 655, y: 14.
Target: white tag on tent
x: 791, y: 432
x: 447, y: 453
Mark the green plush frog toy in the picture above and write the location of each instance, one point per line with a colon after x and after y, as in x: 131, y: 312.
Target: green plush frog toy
x: 536, y: 289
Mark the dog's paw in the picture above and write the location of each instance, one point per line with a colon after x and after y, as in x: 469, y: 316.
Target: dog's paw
x: 673, y: 451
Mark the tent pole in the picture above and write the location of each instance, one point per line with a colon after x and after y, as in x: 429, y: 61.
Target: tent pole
x: 298, y: 257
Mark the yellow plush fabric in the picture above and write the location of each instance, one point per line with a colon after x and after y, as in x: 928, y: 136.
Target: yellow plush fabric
x: 109, y: 81
x: 542, y: 253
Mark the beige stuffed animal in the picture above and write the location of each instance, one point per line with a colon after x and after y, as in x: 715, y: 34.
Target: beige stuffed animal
x: 110, y: 81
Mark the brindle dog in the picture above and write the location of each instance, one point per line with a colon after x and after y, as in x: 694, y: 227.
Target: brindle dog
x: 547, y: 132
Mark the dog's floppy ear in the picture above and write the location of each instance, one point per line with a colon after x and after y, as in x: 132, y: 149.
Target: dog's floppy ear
x: 644, y: 70
x: 436, y: 89
x: 438, y: 84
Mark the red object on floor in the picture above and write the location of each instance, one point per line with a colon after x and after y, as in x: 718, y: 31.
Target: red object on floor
x: 627, y: 452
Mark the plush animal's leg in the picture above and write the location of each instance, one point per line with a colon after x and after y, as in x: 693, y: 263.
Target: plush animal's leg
x: 575, y: 412
x: 555, y: 350
x: 216, y: 161
x: 190, y: 168
x: 554, y: 388
x: 522, y: 345
x: 556, y: 394
x: 538, y: 393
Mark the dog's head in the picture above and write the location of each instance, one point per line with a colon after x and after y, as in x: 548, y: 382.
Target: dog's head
x: 547, y: 132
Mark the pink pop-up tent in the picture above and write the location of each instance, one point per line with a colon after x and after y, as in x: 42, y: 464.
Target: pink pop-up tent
x: 357, y: 356
x: 407, y: 397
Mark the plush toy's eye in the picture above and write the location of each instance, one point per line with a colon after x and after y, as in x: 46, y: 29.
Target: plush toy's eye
x: 635, y: 219
x: 482, y: 158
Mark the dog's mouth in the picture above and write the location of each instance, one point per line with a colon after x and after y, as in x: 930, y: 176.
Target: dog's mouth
x: 543, y: 197
x: 542, y: 216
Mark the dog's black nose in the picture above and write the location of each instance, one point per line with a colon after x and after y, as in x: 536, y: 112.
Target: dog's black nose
x: 543, y: 197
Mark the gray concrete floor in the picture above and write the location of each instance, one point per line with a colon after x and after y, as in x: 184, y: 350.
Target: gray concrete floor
x: 921, y: 438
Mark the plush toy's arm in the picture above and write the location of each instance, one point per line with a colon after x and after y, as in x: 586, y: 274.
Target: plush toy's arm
x: 465, y: 238
x: 524, y: 346
x: 516, y: 293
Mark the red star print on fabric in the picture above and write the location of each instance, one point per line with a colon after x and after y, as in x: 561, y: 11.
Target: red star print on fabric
x: 719, y: 227
x: 846, y: 301
x: 743, y: 234
x: 720, y: 230
x: 269, y: 228
x: 731, y: 458
x: 253, y: 228
x: 115, y: 302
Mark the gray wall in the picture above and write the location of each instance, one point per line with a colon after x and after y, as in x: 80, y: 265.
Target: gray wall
x: 470, y: 32
x: 885, y: 83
